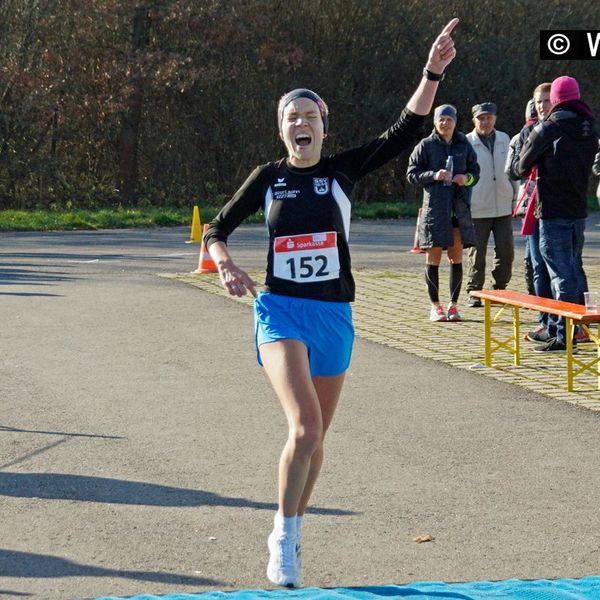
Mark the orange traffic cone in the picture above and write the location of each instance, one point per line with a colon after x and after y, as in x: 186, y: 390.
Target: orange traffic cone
x: 416, y: 249
x: 205, y: 263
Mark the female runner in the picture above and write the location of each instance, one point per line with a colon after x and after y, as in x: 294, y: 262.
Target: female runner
x: 304, y: 331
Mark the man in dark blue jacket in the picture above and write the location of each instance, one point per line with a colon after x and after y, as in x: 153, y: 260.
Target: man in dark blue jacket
x: 562, y: 147
x: 539, y: 285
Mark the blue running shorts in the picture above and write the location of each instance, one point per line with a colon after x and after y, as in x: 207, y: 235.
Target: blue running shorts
x: 325, y: 328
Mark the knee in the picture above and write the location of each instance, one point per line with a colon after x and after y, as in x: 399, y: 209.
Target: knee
x: 307, y: 438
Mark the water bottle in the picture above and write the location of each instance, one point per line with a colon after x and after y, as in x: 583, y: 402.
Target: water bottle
x: 449, y: 167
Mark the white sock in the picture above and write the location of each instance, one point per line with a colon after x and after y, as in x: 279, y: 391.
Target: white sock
x: 285, y: 526
x: 299, y: 521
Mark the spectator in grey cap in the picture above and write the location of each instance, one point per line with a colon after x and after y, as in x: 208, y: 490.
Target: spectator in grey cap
x: 491, y: 203
x: 446, y: 217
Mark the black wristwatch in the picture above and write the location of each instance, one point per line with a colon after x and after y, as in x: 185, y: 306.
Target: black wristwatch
x: 433, y: 76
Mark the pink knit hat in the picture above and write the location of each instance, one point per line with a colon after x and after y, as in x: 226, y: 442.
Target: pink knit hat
x: 564, y: 88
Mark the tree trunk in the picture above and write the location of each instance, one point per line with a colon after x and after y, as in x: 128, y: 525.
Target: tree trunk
x: 130, y: 123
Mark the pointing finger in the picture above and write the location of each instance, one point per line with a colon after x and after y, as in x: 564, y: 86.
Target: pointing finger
x: 450, y: 26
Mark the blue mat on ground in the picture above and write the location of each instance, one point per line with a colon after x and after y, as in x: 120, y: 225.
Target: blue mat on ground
x: 587, y: 588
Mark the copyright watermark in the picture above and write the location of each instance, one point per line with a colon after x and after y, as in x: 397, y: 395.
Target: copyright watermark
x: 558, y: 43
x: 573, y: 44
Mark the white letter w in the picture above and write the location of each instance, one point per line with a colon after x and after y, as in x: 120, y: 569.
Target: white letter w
x: 593, y: 45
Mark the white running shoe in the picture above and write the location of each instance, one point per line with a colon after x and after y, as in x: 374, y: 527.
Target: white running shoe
x: 283, y: 567
x: 299, y: 522
x: 437, y: 313
x: 298, y: 557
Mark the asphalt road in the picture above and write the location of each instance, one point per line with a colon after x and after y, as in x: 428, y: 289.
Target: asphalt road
x: 139, y: 440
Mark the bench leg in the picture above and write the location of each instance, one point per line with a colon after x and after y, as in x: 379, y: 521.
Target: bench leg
x: 487, y: 329
x: 576, y: 365
x: 491, y: 343
x: 517, y: 334
x: 569, y: 354
x: 596, y: 339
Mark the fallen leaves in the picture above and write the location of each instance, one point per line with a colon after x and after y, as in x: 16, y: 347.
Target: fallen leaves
x: 423, y: 538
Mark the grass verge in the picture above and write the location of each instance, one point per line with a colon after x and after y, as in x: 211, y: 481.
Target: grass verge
x: 120, y: 218
x: 53, y: 220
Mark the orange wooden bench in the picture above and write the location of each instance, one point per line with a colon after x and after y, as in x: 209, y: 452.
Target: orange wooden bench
x: 573, y: 313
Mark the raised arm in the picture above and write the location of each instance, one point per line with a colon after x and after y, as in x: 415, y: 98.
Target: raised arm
x: 440, y: 56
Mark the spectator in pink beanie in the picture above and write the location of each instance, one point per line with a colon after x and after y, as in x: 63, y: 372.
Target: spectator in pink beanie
x: 563, y: 147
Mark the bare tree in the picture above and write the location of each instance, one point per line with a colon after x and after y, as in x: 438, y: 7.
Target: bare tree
x: 130, y: 126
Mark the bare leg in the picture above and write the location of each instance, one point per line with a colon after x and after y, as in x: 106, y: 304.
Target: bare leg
x: 433, y: 256
x: 286, y: 365
x: 455, y: 252
x: 328, y: 391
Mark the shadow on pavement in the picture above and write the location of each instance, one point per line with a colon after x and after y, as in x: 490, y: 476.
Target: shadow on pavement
x: 31, y: 277
x: 9, y: 429
x: 27, y: 294
x: 23, y: 277
x: 26, y: 564
x: 58, y: 486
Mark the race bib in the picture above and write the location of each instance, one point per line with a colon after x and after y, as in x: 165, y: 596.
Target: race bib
x: 306, y: 258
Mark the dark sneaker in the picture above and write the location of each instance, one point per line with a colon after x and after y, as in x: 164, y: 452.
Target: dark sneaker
x: 474, y: 302
x: 539, y: 334
x: 553, y: 345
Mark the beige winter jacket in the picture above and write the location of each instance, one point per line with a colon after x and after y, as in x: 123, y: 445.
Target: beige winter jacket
x: 493, y: 195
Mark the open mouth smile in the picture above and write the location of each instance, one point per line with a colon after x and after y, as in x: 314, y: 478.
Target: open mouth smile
x: 303, y: 139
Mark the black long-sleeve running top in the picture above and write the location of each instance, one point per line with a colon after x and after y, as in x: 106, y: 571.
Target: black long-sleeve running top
x: 307, y: 212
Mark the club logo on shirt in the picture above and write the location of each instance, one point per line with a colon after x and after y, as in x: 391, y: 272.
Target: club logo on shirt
x: 280, y: 182
x: 321, y: 185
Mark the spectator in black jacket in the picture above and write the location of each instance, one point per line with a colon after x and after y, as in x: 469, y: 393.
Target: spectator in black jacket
x: 563, y: 147
x: 446, y: 222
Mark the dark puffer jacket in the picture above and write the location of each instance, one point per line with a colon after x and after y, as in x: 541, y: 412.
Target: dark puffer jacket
x: 563, y: 147
x: 440, y: 202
